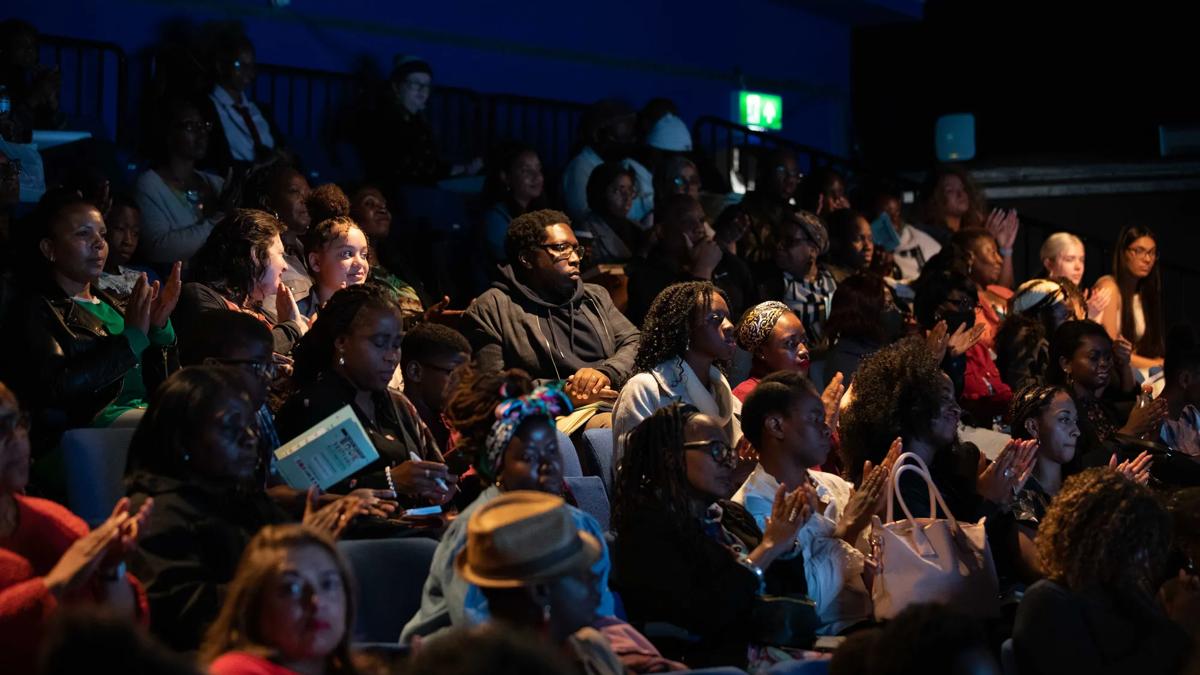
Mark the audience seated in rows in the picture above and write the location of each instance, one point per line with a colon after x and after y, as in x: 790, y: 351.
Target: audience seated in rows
x: 308, y: 303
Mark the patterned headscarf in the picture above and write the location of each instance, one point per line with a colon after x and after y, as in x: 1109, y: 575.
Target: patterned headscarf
x: 544, y: 401
x: 757, y: 323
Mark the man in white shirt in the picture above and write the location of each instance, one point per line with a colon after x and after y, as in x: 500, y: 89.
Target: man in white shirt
x: 607, y: 130
x: 784, y: 420
x: 246, y: 131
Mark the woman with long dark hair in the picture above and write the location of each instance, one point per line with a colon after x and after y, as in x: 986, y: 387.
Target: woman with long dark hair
x: 1135, y: 311
x: 689, y: 556
x: 686, y: 340
x: 238, y: 268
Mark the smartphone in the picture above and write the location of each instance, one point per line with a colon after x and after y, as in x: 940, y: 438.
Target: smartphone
x: 422, y: 511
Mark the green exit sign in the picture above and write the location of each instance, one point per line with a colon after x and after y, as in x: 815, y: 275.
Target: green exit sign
x: 760, y: 111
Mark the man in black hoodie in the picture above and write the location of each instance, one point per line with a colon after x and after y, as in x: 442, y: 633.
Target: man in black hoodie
x: 542, y: 318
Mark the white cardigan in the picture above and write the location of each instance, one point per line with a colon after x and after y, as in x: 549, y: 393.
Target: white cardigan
x: 674, y: 381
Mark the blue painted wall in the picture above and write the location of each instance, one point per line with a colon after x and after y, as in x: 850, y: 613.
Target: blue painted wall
x: 691, y: 52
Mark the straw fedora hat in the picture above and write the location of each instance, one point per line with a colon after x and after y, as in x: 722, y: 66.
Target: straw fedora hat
x: 522, y: 538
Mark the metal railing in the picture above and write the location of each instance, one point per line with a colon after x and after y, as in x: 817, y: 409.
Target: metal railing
x: 736, y: 148
x: 95, y: 82
x: 547, y: 125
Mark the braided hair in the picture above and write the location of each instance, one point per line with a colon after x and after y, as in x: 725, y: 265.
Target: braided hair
x: 471, y: 410
x: 653, y: 472
x: 666, y: 332
x: 1030, y: 402
x: 314, y: 353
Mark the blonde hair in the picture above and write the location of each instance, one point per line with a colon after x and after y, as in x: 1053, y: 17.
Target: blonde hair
x: 236, y: 626
x: 1056, y: 243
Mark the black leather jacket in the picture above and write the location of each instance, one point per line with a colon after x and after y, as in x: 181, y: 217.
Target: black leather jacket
x: 67, y: 366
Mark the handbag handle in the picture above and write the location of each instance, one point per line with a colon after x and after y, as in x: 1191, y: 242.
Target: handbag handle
x: 893, y: 486
x: 934, y: 494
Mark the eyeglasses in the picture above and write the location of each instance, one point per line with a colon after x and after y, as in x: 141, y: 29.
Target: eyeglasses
x: 417, y: 87
x: 680, y: 181
x: 10, y: 170
x: 1145, y: 253
x: 626, y: 192
x: 194, y: 126
x: 264, y: 369
x: 721, y: 452
x: 10, y: 423
x: 782, y: 172
x: 563, y: 251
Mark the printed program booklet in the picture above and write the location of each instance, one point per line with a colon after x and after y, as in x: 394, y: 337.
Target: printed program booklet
x: 328, y: 453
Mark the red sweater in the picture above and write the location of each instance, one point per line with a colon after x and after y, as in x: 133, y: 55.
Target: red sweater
x: 45, y: 530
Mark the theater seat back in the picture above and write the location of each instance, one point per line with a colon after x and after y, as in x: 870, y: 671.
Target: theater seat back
x: 390, y: 574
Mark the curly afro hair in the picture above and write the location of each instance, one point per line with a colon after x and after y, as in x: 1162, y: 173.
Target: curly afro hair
x: 1104, y: 531
x: 528, y: 231
x: 471, y: 410
x: 897, y: 392
x: 327, y: 201
x: 668, y: 324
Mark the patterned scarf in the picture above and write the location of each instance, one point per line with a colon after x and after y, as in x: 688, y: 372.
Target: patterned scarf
x: 544, y: 401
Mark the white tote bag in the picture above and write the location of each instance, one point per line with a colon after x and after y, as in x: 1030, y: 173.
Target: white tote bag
x: 931, y: 559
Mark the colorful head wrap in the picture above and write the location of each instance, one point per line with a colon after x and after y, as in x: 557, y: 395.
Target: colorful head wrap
x: 544, y: 401
x: 757, y: 323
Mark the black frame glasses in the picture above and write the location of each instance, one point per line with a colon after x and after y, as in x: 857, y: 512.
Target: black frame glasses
x: 563, y: 250
x: 720, y: 451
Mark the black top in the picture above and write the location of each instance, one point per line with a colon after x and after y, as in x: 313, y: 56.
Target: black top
x: 399, y: 148
x: 70, y: 367
x: 189, y: 550
x: 1096, y: 632
x: 690, y: 580
x: 396, y: 430
x: 197, y: 298
x: 511, y: 326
